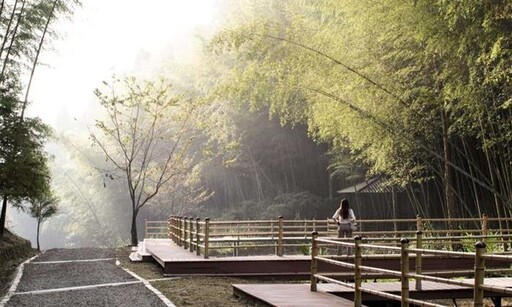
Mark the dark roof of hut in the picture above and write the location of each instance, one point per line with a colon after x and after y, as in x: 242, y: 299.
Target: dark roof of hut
x: 378, y: 184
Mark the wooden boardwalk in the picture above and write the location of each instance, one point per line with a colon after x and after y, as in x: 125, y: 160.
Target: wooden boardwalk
x: 284, y: 295
x: 177, y: 261
x: 330, y: 294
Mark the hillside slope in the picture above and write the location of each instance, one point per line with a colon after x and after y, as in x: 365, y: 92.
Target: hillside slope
x: 13, y: 251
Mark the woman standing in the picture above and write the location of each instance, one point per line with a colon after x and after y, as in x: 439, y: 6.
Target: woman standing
x: 344, y: 217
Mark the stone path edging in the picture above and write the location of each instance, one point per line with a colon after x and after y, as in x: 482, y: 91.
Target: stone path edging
x: 78, y: 288
x: 164, y: 299
x: 16, y: 281
x: 71, y: 261
x: 20, y: 269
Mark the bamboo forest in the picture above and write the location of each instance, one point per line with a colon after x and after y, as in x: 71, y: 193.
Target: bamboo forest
x: 272, y: 108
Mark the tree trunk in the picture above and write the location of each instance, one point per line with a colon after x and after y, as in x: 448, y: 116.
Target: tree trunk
x: 2, y: 7
x: 449, y: 178
x: 331, y: 188
x: 13, y: 40
x: 135, y: 240
x: 38, y: 52
x: 38, y: 227
x: 7, y: 30
x: 2, y: 217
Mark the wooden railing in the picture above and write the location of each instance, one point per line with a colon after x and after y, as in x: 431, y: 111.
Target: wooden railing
x: 156, y: 229
x: 404, y: 275
x: 282, y: 236
x: 206, y: 237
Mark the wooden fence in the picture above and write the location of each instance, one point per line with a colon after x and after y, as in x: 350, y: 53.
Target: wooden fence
x: 280, y: 236
x: 404, y: 275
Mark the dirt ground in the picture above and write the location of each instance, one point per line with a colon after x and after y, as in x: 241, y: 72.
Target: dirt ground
x: 187, y: 291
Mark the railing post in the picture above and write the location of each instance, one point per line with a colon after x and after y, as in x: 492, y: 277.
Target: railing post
x: 185, y: 246
x: 175, y: 229
x: 357, y: 273
x: 272, y: 234
x: 419, y: 223
x: 478, y: 292
x: 314, y: 261
x: 190, y: 234
x: 198, y: 237
x: 419, y: 261
x: 280, y: 238
x: 178, y: 230
x: 206, y: 237
x: 145, y: 228
x: 169, y: 228
x: 485, y: 226
x: 404, y: 264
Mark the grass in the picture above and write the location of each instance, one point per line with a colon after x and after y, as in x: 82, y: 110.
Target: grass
x: 201, y: 291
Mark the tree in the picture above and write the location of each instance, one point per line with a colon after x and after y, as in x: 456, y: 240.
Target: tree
x: 24, y: 27
x: 24, y: 171
x: 145, y: 136
x: 41, y: 209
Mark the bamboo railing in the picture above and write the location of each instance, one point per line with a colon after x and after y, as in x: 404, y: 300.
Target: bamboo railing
x: 430, y: 237
x: 282, y: 236
x: 477, y: 284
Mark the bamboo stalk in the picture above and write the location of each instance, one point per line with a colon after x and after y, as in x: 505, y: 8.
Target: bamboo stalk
x: 357, y: 274
x: 478, y: 294
x: 314, y: 261
x: 404, y: 265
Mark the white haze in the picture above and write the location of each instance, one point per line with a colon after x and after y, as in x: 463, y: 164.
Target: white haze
x: 103, y: 38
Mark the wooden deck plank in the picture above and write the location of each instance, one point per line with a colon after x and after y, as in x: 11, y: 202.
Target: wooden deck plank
x: 177, y: 260
x: 429, y: 290
x: 288, y: 295
x: 300, y: 294
x: 180, y: 261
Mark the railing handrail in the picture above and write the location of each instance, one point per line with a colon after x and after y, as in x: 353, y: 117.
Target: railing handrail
x: 478, y: 284
x: 280, y: 232
x: 206, y: 235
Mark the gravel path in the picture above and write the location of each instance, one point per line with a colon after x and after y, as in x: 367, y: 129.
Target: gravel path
x: 71, y: 274
x: 128, y: 295
x: 62, y: 254
x: 80, y: 277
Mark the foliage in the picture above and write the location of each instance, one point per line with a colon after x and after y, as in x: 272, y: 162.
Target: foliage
x: 24, y: 25
x: 403, y: 86
x: 492, y: 243
x: 301, y: 205
x: 24, y: 171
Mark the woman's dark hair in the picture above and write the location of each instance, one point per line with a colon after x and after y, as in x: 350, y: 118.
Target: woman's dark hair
x: 344, y: 208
